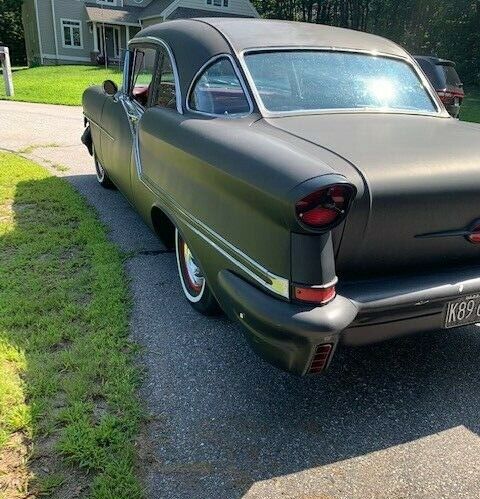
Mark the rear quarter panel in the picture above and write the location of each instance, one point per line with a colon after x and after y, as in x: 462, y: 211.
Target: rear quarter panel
x: 230, y: 176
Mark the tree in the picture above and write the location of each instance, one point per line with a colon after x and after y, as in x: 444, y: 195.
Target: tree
x: 11, y: 30
x: 448, y: 29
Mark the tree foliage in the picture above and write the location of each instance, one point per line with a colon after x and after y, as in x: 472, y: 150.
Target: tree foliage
x: 11, y: 29
x: 446, y: 28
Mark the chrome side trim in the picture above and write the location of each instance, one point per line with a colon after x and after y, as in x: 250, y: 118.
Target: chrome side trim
x: 100, y: 127
x: 408, y: 59
x: 274, y: 283
x: 211, y: 61
x: 158, y: 41
x: 329, y: 284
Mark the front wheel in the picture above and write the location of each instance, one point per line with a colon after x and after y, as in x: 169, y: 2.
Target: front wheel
x: 194, y: 284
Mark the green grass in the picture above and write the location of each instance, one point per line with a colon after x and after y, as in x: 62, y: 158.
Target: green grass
x: 470, y: 110
x: 57, y: 84
x: 68, y: 410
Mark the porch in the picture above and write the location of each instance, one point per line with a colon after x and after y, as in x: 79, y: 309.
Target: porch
x: 111, y: 29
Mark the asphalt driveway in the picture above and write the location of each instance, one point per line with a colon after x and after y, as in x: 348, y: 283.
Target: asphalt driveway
x: 396, y: 420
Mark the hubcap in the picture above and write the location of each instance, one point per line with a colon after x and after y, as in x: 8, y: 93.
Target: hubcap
x: 99, y: 170
x: 192, y: 270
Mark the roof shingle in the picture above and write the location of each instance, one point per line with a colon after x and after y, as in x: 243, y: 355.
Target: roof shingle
x: 113, y: 15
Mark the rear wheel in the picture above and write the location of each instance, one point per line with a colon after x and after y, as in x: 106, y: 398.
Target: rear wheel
x: 102, y: 177
x: 194, y: 284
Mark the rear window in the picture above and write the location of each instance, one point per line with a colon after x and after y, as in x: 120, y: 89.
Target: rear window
x: 451, y: 75
x: 294, y: 80
x: 434, y: 73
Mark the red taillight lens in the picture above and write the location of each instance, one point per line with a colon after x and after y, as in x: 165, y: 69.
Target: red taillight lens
x: 326, y: 207
x: 312, y: 294
x: 320, y: 358
x: 474, y: 236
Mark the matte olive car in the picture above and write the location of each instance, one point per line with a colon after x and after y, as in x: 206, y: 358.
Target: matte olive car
x: 309, y: 178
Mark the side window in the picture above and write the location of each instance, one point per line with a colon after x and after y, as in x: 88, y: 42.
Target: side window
x: 143, y: 73
x: 166, y: 94
x: 218, y: 91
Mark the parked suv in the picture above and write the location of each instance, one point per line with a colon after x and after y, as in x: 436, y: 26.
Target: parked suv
x: 445, y: 80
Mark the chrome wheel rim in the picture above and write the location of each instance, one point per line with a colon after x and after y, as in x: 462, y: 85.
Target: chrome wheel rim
x: 191, y: 276
x: 194, y: 274
x: 99, y: 170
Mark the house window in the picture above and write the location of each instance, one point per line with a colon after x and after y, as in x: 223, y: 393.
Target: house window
x: 218, y: 3
x: 72, y: 33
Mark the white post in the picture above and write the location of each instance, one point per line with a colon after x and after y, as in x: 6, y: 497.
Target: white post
x: 7, y: 71
x: 127, y: 34
x: 95, y: 37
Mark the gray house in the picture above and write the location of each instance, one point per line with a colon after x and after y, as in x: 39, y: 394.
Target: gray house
x: 78, y: 31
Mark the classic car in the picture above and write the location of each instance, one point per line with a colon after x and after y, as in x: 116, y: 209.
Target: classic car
x: 445, y: 80
x: 309, y: 179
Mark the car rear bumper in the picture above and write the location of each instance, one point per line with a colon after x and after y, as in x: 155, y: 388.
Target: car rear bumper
x: 288, y: 334
x: 453, y: 110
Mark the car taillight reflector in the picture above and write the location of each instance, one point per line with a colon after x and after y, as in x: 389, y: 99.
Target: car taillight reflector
x: 312, y: 294
x: 320, y: 358
x: 447, y: 96
x: 326, y: 207
x: 474, y: 236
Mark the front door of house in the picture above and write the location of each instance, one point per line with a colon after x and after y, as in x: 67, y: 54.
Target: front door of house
x: 109, y: 41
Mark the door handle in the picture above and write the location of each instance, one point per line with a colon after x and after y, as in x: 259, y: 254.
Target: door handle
x: 133, y: 118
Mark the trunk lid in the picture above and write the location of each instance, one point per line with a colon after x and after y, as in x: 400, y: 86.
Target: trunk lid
x: 421, y: 175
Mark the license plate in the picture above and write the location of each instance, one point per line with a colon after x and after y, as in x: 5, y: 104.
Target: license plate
x: 463, y: 311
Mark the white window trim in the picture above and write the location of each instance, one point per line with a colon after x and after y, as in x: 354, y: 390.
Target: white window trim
x: 116, y: 48
x: 214, y: 7
x: 80, y: 27
x: 115, y: 3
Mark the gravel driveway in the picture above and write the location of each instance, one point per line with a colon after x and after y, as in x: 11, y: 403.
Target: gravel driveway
x: 395, y: 420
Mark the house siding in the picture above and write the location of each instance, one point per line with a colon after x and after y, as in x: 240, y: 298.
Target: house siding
x: 138, y: 3
x: 29, y: 20
x: 66, y: 9
x: 54, y: 52
x: 238, y: 7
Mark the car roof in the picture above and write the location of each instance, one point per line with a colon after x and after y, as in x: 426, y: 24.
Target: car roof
x: 247, y: 33
x: 195, y: 41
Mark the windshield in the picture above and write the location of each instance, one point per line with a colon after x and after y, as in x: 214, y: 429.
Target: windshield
x: 314, y: 80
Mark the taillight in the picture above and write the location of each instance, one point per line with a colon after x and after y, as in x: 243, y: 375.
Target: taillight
x: 326, y: 207
x: 474, y: 236
x: 314, y: 294
x: 446, y: 97
x: 320, y: 358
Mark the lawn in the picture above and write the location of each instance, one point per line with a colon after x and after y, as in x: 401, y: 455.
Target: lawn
x: 470, y: 110
x: 68, y: 410
x: 57, y: 84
